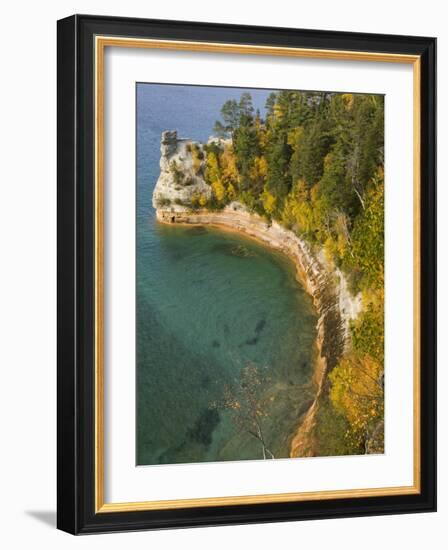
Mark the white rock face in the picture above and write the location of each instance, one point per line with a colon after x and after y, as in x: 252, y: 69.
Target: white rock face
x: 350, y: 305
x: 181, y: 173
x: 219, y: 141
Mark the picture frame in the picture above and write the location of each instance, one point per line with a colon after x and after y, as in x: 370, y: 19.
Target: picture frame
x: 82, y: 42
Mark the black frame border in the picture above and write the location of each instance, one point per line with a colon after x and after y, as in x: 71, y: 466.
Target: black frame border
x: 76, y: 262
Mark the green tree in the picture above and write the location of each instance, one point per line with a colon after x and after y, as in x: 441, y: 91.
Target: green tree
x: 230, y: 114
x: 368, y: 238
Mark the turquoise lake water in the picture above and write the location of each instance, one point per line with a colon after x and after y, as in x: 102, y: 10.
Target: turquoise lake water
x: 208, y: 303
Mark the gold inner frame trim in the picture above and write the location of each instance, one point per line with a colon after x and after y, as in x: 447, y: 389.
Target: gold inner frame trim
x: 101, y: 42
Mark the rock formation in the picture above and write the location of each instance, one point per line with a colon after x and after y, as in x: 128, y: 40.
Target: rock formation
x: 182, y: 167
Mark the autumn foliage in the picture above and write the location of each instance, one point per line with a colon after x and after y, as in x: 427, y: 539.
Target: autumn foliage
x: 315, y: 164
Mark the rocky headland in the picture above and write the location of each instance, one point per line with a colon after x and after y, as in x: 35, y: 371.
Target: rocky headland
x: 177, y: 199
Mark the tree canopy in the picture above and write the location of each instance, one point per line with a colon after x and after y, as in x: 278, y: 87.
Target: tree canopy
x: 314, y: 163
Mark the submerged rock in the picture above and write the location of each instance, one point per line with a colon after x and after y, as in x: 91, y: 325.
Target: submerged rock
x: 260, y: 326
x: 202, y: 430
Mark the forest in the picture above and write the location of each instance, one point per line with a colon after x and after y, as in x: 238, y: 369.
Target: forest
x: 315, y: 164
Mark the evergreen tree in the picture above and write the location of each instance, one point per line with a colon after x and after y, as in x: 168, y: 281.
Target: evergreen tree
x: 316, y: 164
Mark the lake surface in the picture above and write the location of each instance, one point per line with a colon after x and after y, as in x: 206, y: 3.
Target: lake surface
x: 209, y: 302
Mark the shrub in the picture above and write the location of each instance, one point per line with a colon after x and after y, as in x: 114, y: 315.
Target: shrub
x: 163, y: 201
x: 357, y: 393
x: 176, y: 172
x: 197, y: 156
x: 333, y: 432
x: 198, y: 152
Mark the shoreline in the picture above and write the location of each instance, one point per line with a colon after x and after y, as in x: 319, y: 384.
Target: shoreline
x: 325, y: 284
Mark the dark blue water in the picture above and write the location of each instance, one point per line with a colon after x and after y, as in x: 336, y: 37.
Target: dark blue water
x: 208, y: 303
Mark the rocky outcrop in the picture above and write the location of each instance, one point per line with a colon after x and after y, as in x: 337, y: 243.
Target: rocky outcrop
x: 335, y: 306
x: 182, y: 168
x: 182, y: 172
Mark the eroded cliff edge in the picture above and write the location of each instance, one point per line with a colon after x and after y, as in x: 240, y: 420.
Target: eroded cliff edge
x: 177, y: 198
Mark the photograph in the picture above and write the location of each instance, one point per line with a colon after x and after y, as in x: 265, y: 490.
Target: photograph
x: 222, y: 247
x: 259, y: 274
x: 246, y: 269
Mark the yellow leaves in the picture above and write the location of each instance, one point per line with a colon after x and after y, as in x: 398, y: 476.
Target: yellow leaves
x: 259, y: 169
x: 304, y: 217
x: 230, y: 174
x: 368, y: 329
x: 295, y: 135
x: 348, y: 100
x: 231, y: 193
x: 279, y: 111
x: 269, y: 201
x: 368, y: 237
x: 373, y: 299
x: 337, y: 245
x: 195, y: 200
x: 219, y: 190
x: 378, y: 177
x: 301, y: 208
x: 356, y: 390
x: 301, y: 190
x: 198, y: 199
x: 328, y: 161
x: 212, y: 172
x: 331, y: 248
x: 288, y: 216
x: 222, y: 173
x: 262, y: 166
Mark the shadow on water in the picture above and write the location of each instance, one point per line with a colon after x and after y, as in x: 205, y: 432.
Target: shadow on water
x: 260, y: 326
x: 258, y: 330
x: 202, y: 430
x: 198, y: 439
x: 192, y: 422
x: 196, y: 231
x: 250, y: 341
x: 235, y: 250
